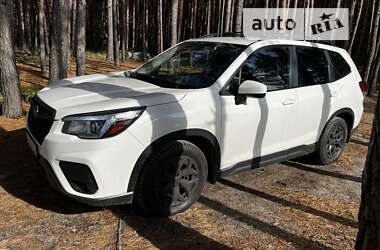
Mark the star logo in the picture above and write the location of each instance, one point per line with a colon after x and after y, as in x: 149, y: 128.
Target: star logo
x: 325, y: 17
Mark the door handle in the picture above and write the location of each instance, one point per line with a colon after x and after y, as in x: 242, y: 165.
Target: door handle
x: 289, y: 101
x: 333, y: 93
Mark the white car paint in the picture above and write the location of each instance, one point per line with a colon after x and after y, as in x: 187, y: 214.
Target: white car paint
x: 282, y: 120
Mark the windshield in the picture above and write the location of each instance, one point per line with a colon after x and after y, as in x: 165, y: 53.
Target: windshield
x: 189, y: 65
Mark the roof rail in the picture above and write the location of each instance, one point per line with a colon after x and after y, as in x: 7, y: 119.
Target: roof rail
x: 327, y: 42
x: 225, y: 34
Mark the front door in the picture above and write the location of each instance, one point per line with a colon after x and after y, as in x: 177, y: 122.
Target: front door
x: 257, y: 127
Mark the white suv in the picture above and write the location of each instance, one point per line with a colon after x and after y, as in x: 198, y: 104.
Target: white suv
x: 205, y: 108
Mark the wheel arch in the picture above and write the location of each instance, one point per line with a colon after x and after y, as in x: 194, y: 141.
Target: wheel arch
x: 203, y: 139
x: 348, y: 116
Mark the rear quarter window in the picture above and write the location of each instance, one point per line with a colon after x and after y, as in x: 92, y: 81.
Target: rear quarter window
x: 340, y: 66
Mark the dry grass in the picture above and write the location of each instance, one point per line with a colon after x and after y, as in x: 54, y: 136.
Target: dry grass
x: 293, y: 205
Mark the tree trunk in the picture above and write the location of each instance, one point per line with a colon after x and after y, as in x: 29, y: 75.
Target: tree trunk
x: 122, y: 29
x: 174, y: 21
x: 127, y: 6
x: 373, y: 48
x: 288, y: 4
x: 144, y: 25
x: 351, y: 22
x: 20, y: 14
x: 81, y: 37
x: 376, y: 75
x: 115, y: 12
x: 195, y: 17
x: 28, y: 37
x: 359, y: 47
x: 369, y: 217
x: 209, y: 16
x: 191, y: 19
x: 295, y: 3
x: 221, y: 17
x: 180, y: 21
x: 239, y: 15
x: 372, y: 79
x: 41, y: 34
x: 134, y: 26
x: 227, y: 17
x: 339, y: 3
x: 160, y: 29
x: 372, y: 18
x: 110, y: 55
x: 70, y: 31
x: 356, y: 25
x: 73, y: 25
x: 9, y: 77
x: 46, y: 35
x: 60, y: 37
x: 34, y: 24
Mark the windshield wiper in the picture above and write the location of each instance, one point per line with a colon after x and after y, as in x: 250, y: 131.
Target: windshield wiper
x: 163, y: 83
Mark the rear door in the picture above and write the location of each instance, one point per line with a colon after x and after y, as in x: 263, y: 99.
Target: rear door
x: 317, y: 95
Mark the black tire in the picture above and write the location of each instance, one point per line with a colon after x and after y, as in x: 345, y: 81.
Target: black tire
x: 332, y: 141
x: 172, y: 179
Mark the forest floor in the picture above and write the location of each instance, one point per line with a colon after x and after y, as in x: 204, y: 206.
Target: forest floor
x: 292, y: 205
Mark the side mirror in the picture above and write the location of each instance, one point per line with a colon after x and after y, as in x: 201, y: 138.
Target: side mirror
x: 252, y: 88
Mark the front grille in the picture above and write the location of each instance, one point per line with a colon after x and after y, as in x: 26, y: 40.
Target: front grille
x: 40, y: 119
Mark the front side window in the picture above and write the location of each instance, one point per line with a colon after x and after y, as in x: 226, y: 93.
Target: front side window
x: 340, y: 66
x: 270, y: 66
x: 190, y: 65
x: 313, y: 67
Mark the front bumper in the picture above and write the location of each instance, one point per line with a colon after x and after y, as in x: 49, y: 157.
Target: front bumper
x: 53, y: 181
x: 110, y: 161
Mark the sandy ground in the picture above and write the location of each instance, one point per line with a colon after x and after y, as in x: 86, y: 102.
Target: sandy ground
x: 292, y: 205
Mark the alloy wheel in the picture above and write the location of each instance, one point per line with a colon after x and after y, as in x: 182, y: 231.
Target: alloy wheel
x: 178, y: 181
x: 335, y: 142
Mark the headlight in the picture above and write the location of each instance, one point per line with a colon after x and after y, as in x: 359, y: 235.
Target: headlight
x: 100, y: 125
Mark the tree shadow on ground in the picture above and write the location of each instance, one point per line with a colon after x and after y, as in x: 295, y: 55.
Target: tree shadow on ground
x: 22, y: 177
x: 284, y: 202
x: 315, y: 170
x: 165, y: 233
x: 296, y: 240
x: 360, y: 141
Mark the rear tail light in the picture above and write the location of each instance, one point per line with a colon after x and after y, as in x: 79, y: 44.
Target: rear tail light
x: 363, y: 86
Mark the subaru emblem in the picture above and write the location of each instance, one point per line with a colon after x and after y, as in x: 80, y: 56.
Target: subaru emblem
x: 36, y: 110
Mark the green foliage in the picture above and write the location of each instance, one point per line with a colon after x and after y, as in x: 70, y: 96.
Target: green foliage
x: 97, y: 55
x: 29, y: 91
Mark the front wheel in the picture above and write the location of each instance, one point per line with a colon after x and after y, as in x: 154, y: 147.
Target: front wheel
x: 172, y: 179
x: 332, y: 141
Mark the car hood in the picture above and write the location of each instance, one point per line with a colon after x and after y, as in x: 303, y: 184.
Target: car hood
x: 104, y: 92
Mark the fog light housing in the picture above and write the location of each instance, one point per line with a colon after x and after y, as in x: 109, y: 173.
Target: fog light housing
x: 79, y: 177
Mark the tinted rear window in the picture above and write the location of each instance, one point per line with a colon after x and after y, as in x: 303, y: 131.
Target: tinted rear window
x: 340, y: 66
x: 313, y: 67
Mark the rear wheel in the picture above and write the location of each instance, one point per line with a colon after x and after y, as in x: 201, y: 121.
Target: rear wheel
x: 332, y: 141
x: 172, y: 179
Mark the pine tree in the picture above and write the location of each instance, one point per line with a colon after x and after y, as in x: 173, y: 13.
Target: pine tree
x: 9, y: 77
